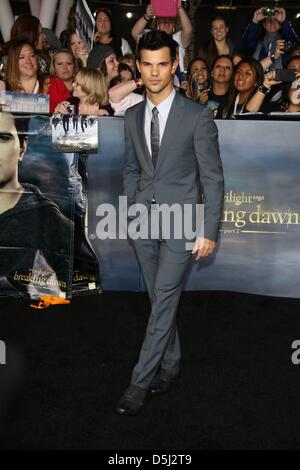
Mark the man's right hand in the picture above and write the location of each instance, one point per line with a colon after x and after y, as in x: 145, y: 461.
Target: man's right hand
x: 259, y: 15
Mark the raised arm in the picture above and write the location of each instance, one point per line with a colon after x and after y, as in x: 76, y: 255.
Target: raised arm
x: 249, y: 36
x: 272, y: 59
x: 187, y: 28
x: 255, y: 103
x: 140, y: 25
x: 118, y: 92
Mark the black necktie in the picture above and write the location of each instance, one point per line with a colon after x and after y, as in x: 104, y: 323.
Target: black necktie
x: 154, y: 135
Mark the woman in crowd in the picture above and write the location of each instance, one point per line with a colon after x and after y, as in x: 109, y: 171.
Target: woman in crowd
x: 79, y: 50
x: 23, y: 75
x: 262, y: 43
x: 220, y: 44
x: 65, y: 36
x: 28, y: 28
x: 89, y: 95
x: 64, y: 67
x: 104, y: 58
x: 125, y: 72
x: 248, y: 76
x: 294, y: 51
x: 290, y: 99
x: 128, y: 59
x: 294, y: 64
x: 266, y: 62
x: 182, y: 37
x: 222, y: 89
x: 105, y: 34
x: 198, y: 80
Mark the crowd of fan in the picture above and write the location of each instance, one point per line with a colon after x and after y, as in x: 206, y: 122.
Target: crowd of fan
x: 104, y: 81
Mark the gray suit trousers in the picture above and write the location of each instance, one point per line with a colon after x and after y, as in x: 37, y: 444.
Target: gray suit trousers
x: 164, y: 273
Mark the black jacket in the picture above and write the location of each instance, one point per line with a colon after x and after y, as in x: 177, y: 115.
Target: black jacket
x: 36, y: 240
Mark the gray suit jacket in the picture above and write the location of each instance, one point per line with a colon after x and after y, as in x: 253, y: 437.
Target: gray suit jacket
x: 188, y: 169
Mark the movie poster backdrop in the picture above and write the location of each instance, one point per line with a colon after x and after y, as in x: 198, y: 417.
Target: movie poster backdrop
x: 259, y: 243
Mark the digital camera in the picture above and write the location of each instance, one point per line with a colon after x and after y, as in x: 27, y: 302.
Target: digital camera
x: 269, y: 11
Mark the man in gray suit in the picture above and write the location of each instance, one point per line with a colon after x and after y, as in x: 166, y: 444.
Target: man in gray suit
x: 172, y: 156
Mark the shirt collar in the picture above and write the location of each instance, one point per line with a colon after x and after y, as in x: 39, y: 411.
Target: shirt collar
x: 164, y: 106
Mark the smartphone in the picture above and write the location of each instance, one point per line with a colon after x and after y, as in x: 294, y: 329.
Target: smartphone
x: 166, y: 8
x: 285, y: 75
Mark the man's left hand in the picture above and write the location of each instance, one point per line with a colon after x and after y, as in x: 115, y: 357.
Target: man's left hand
x: 203, y: 247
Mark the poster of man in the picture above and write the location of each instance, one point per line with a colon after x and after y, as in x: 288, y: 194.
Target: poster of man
x: 35, y: 236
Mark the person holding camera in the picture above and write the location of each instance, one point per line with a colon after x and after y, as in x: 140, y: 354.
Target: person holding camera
x: 290, y: 98
x: 197, y: 85
x: 261, y: 43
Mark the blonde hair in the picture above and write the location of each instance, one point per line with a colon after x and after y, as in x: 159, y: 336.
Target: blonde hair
x: 93, y: 83
x: 62, y: 51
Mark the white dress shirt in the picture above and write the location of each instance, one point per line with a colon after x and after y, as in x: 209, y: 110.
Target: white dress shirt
x: 163, y: 113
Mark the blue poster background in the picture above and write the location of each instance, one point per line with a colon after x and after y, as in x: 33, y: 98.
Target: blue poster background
x: 258, y: 250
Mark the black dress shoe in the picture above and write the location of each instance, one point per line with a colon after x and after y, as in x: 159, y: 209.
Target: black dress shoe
x: 131, y: 401
x: 162, y: 382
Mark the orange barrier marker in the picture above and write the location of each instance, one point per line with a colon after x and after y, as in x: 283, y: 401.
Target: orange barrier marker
x: 46, y: 301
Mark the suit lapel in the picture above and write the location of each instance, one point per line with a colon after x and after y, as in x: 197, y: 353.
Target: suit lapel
x: 140, y: 125
x: 172, y: 128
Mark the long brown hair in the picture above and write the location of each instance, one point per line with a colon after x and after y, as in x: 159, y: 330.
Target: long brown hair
x: 26, y: 28
x: 209, y: 49
x: 12, y: 68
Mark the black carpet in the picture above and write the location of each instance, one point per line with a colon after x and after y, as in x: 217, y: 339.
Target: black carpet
x: 67, y: 366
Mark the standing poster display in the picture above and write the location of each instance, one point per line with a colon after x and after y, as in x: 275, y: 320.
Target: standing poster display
x: 43, y: 249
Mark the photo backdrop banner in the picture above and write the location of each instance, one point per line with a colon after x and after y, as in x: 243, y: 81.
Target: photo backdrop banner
x: 259, y: 244
x: 48, y: 247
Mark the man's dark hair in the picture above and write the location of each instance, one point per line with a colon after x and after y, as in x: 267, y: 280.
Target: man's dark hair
x: 155, y: 40
x: 22, y: 124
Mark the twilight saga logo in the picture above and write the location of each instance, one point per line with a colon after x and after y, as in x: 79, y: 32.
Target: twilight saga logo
x: 248, y: 213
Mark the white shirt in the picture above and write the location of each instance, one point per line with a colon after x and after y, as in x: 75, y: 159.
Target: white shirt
x: 181, y: 49
x: 163, y: 113
x: 125, y: 48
